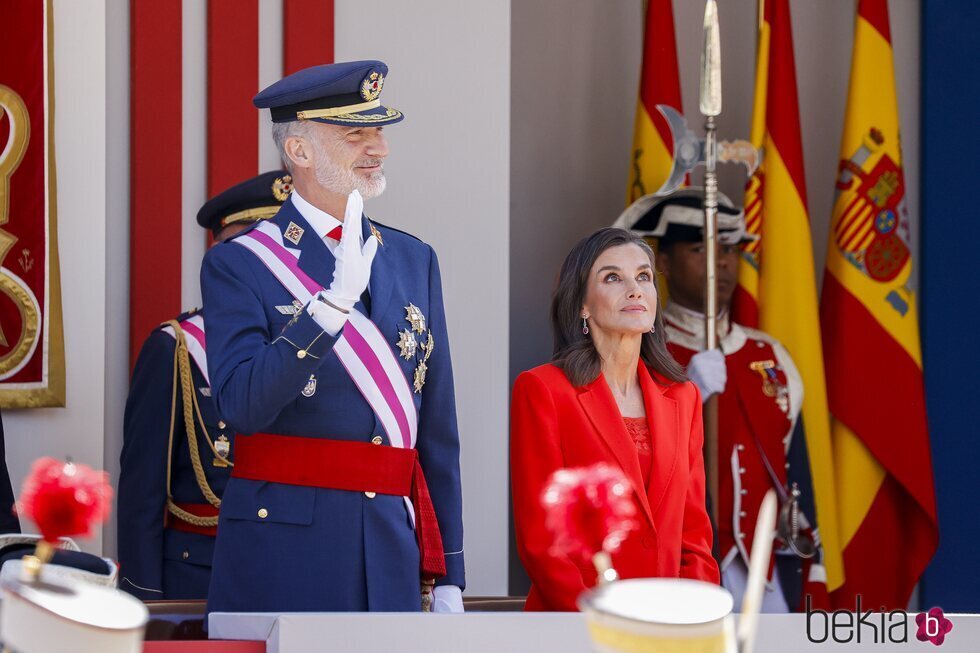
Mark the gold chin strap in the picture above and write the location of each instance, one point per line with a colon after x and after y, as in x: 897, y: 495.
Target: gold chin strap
x: 182, y: 365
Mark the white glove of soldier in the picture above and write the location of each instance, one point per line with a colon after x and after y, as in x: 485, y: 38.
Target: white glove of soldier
x: 353, y: 269
x: 707, y: 371
x: 447, y: 598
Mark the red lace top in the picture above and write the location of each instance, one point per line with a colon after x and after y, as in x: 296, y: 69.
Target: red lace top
x: 639, y: 431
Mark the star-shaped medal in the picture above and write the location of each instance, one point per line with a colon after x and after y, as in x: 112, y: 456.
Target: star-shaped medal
x: 407, y: 344
x: 414, y: 315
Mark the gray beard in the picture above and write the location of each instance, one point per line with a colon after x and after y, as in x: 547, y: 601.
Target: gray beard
x: 343, y: 181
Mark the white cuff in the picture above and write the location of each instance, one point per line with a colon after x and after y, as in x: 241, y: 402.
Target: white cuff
x: 330, y: 319
x: 447, y: 598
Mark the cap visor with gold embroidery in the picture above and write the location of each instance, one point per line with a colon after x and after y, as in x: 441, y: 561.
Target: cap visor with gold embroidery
x: 258, y: 198
x: 346, y: 94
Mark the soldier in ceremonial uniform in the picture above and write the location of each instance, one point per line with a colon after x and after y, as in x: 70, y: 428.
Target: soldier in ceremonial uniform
x: 330, y: 359
x: 177, y: 451
x: 761, y: 444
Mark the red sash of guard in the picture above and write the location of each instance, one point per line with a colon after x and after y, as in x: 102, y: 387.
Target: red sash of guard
x: 345, y: 465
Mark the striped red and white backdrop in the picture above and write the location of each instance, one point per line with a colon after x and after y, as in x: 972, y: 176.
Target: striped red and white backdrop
x: 195, y: 65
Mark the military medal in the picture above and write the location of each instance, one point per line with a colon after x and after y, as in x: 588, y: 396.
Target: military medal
x: 771, y: 386
x: 222, y: 447
x: 310, y: 388
x: 420, y: 376
x: 407, y: 344
x: 415, y: 318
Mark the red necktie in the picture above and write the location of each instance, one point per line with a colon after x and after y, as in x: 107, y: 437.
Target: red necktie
x: 336, y: 232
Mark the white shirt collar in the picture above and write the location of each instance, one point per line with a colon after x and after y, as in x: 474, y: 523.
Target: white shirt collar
x: 321, y: 221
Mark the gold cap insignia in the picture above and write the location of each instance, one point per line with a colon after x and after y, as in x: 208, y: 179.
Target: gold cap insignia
x: 371, y: 86
x: 282, y: 187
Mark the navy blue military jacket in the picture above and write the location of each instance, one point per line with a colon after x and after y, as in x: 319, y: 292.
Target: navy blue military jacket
x: 315, y: 549
x: 157, y: 562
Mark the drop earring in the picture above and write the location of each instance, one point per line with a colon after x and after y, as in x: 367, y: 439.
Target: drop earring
x: 653, y: 329
x: 585, y: 326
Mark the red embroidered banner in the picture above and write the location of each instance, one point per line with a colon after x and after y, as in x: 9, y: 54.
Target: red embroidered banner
x: 32, y: 352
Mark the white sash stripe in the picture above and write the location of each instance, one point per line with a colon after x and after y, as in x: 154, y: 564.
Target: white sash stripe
x: 365, y: 383
x: 369, y: 331
x: 271, y: 261
x: 194, y: 347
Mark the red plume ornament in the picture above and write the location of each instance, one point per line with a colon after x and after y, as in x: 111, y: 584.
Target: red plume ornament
x: 65, y: 499
x: 589, y: 511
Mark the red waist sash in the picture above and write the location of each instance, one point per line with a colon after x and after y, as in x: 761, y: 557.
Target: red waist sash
x: 345, y: 465
x: 198, y: 510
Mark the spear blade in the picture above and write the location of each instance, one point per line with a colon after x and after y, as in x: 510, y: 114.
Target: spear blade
x: 711, y: 62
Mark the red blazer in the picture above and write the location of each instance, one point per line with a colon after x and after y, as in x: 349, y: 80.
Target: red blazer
x: 555, y: 425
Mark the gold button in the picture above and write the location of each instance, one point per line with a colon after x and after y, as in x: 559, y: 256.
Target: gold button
x: 263, y: 513
x: 376, y: 440
x: 185, y: 555
x: 301, y: 353
x: 221, y: 424
x: 370, y: 495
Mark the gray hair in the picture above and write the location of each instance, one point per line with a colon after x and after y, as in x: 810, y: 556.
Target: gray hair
x: 281, y: 131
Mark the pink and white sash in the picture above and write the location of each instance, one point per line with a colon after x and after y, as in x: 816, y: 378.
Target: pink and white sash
x: 362, y: 350
x: 193, y: 328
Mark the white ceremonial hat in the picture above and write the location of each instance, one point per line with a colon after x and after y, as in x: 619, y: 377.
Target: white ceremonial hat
x: 649, y: 613
x: 679, y: 215
x: 65, y: 611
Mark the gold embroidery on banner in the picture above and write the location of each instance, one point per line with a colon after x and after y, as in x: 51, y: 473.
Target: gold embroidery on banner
x: 13, y: 287
x: 26, y: 260
x: 12, y: 153
x: 51, y: 389
x: 30, y: 320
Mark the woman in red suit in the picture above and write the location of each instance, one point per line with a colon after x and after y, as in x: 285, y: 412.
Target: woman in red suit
x: 612, y: 393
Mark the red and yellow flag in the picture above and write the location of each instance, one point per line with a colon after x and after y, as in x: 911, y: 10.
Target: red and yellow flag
x: 871, y: 339
x: 653, y: 146
x: 777, y: 289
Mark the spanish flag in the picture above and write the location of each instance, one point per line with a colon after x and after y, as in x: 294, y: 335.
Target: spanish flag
x: 653, y: 146
x: 777, y: 289
x: 870, y: 326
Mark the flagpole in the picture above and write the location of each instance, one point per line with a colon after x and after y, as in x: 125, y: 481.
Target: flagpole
x: 710, y: 104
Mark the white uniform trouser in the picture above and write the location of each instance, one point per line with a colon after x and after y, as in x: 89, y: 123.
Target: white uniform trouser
x: 734, y: 578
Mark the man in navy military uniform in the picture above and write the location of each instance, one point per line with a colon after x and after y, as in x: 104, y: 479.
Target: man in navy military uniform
x: 761, y: 444
x: 330, y: 359
x: 176, y: 455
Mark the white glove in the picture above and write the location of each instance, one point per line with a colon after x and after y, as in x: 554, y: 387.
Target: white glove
x: 707, y: 370
x: 447, y: 598
x: 353, y: 269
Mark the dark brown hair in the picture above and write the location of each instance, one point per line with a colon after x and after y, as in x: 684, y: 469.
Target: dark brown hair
x: 574, y: 351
